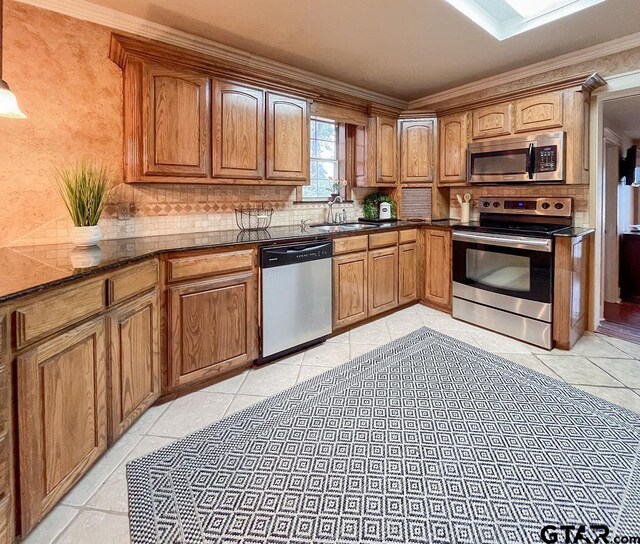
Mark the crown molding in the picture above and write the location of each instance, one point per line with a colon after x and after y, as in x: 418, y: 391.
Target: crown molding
x: 86, y: 11
x: 576, y: 57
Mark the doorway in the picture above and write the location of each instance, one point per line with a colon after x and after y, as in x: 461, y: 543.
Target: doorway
x: 621, y: 218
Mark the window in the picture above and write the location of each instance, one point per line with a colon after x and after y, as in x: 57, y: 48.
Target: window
x: 325, y: 168
x: 506, y: 18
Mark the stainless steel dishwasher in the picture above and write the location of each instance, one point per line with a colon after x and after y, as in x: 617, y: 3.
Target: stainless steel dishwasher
x: 296, y: 297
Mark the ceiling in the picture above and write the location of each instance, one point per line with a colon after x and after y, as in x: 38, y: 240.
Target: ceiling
x: 404, y: 48
x: 623, y: 116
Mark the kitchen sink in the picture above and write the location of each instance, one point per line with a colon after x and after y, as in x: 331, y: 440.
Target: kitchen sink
x: 342, y: 227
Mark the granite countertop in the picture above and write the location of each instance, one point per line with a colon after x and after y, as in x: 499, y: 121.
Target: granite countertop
x: 573, y: 232
x: 28, y: 269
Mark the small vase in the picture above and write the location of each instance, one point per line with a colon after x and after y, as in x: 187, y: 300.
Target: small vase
x: 86, y: 236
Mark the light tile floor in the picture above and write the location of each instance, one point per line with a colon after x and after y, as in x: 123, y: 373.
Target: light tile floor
x: 96, y: 509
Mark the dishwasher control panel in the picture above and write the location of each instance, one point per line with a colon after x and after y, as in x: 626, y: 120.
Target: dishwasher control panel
x: 295, y: 253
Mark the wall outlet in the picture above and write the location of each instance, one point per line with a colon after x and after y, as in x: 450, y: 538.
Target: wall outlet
x: 124, y: 211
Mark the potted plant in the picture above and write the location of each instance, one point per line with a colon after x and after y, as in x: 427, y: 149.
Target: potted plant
x: 84, y: 187
x: 371, y: 205
x: 337, y: 185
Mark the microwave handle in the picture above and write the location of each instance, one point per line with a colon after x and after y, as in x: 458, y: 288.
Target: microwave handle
x: 531, y: 160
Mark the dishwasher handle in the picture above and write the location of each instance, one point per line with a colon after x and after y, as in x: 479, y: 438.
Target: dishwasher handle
x: 294, y: 254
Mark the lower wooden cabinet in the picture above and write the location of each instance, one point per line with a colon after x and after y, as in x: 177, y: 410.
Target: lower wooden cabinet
x: 349, y: 289
x: 134, y: 366
x: 407, y: 273
x: 212, y: 326
x: 383, y: 279
x: 62, y: 415
x: 437, y: 268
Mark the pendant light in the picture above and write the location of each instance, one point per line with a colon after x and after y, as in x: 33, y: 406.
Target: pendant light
x: 8, y: 103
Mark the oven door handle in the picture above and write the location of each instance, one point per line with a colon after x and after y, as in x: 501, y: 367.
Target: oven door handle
x: 515, y: 242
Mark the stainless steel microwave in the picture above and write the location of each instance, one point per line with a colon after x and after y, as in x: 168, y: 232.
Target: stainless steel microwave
x: 524, y: 159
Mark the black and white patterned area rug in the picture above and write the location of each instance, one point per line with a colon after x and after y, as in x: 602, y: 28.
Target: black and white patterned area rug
x: 426, y: 440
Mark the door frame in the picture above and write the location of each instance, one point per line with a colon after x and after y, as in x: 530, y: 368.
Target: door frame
x: 618, y: 86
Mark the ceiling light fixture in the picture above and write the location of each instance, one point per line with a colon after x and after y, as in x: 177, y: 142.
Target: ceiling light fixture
x: 8, y: 103
x: 506, y: 18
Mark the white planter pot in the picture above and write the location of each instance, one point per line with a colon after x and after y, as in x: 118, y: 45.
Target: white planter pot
x: 86, y: 236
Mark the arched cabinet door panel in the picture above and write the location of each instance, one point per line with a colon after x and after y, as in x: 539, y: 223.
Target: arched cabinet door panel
x: 287, y: 138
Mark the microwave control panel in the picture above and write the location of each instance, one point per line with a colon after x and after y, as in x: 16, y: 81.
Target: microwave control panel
x: 546, y: 158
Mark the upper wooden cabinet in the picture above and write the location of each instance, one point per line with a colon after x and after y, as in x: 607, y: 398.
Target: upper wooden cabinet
x: 176, y: 123
x: 453, y: 140
x: 386, y: 154
x: 376, y: 157
x: 539, y: 112
x: 238, y: 131
x: 491, y: 121
x: 65, y: 379
x: 287, y: 138
x: 417, y: 150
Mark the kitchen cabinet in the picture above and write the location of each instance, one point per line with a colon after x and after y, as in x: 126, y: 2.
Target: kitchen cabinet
x: 571, y: 285
x: 453, y: 140
x: 383, y: 279
x: 6, y: 438
x: 540, y: 112
x: 417, y: 152
x: 376, y: 153
x: 238, y: 131
x: 65, y: 378
x: 350, y: 288
x: 407, y: 273
x: 134, y: 365
x: 437, y: 268
x: 287, y: 138
x: 176, y: 124
x: 212, y: 326
x: 491, y: 121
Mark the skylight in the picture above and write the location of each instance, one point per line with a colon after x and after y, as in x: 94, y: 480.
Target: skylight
x: 506, y: 18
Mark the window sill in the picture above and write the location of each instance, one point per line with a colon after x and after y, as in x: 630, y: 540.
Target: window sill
x: 321, y: 201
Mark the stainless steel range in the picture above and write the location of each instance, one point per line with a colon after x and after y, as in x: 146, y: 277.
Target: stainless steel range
x: 503, y: 266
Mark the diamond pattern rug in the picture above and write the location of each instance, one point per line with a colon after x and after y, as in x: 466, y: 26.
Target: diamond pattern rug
x: 426, y: 439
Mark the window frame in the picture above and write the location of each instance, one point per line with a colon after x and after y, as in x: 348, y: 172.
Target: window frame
x: 342, y: 160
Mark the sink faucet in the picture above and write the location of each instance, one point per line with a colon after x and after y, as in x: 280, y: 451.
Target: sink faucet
x: 330, y: 216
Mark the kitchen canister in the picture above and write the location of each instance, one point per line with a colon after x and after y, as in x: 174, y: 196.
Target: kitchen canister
x: 465, y: 207
x: 385, y: 210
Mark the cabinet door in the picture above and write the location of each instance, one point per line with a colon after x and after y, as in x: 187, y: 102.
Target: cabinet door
x: 349, y: 289
x: 6, y: 439
x: 134, y: 366
x: 416, y: 151
x: 408, y: 273
x: 176, y: 123
x: 438, y: 268
x: 491, y: 121
x: 62, y: 416
x: 287, y: 138
x: 238, y: 131
x: 213, y: 326
x: 383, y: 279
x: 453, y: 149
x: 539, y: 112
x: 386, y: 158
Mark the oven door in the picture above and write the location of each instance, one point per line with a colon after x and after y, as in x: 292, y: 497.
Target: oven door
x: 511, y: 273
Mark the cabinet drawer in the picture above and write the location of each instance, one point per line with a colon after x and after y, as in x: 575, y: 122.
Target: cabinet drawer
x: 132, y: 281
x: 383, y: 239
x: 408, y: 236
x: 57, y: 310
x: 181, y: 268
x: 350, y: 244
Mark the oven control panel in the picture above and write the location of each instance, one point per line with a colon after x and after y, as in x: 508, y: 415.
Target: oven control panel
x: 549, y: 206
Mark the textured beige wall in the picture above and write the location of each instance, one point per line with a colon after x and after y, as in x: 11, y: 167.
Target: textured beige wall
x: 60, y: 70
